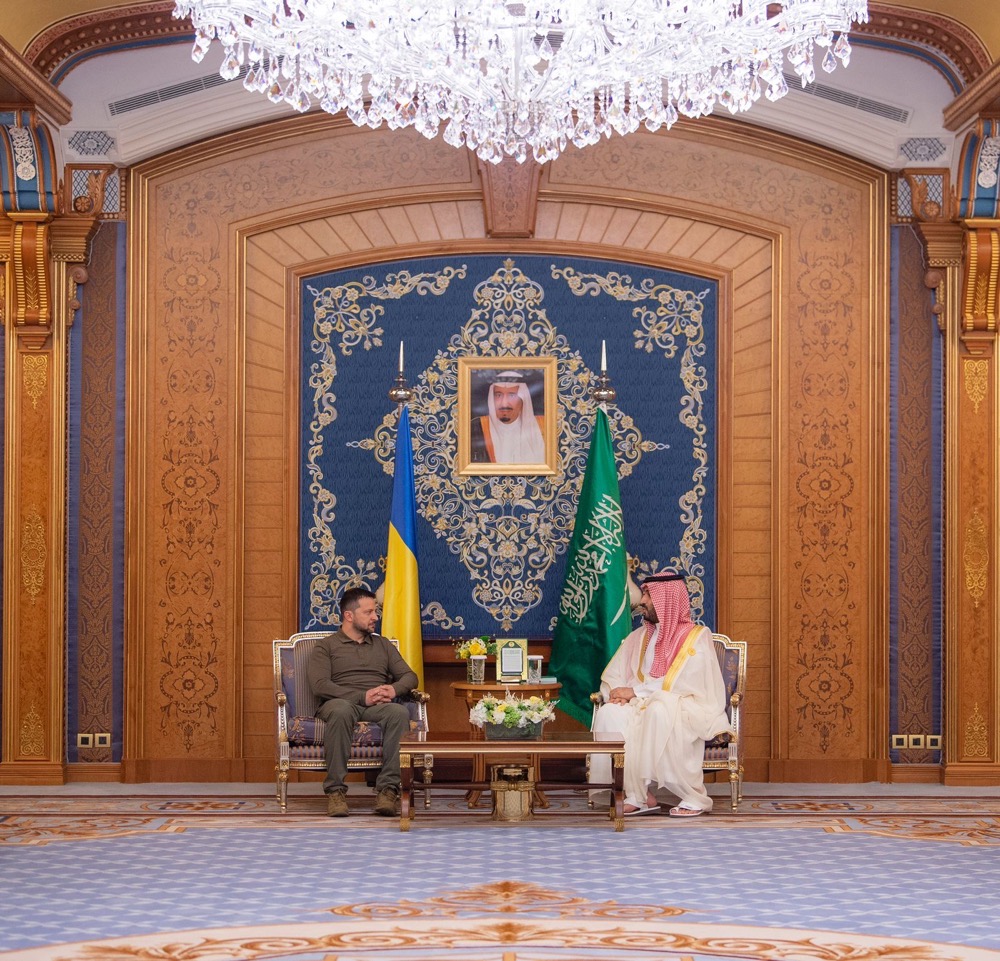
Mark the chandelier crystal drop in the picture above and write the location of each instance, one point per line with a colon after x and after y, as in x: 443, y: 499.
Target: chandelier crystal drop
x: 522, y: 79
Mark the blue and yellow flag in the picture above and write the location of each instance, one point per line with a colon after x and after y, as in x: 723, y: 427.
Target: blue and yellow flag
x: 401, y: 604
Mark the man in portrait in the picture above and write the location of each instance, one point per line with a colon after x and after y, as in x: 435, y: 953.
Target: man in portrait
x: 511, y: 432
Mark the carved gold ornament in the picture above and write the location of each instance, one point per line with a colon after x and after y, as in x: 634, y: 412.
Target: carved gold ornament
x: 976, y: 381
x: 33, y: 553
x: 976, y: 734
x: 36, y: 377
x: 976, y: 557
x: 32, y: 735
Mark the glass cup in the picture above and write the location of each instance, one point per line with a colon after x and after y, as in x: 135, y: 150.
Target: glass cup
x: 534, y: 668
x: 477, y: 668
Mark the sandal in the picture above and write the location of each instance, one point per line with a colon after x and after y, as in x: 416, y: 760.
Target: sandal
x: 682, y: 812
x: 648, y: 809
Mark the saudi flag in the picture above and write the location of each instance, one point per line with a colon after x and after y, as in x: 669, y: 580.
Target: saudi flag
x: 594, y: 610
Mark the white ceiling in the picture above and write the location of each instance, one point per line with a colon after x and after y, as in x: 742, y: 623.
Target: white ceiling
x: 879, y: 76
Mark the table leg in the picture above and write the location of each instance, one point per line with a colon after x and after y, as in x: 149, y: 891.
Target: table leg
x: 536, y: 765
x: 406, y: 790
x: 617, y: 795
x: 428, y: 775
x: 478, y: 775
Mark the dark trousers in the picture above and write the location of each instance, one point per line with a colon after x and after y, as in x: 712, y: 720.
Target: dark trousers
x: 340, y: 717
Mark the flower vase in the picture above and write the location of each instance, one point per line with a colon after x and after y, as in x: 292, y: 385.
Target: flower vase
x: 500, y: 732
x: 475, y: 668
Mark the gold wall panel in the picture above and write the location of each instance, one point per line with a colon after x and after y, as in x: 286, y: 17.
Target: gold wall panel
x: 220, y: 236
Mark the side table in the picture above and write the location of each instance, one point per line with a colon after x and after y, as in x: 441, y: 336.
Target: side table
x: 472, y: 694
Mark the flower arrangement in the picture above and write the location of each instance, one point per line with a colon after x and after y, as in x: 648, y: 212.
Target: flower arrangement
x: 475, y: 645
x: 512, y: 711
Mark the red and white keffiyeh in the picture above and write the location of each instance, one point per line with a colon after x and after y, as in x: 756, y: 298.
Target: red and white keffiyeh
x: 673, y: 609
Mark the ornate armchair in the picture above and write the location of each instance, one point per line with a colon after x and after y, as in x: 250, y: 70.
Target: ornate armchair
x: 300, y: 732
x: 724, y: 753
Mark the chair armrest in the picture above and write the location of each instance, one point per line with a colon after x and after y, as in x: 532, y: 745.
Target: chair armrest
x: 597, y: 698
x: 421, y: 697
x: 735, y: 699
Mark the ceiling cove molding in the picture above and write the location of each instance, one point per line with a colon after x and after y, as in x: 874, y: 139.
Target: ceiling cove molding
x: 60, y: 47
x: 56, y: 50
x: 932, y: 33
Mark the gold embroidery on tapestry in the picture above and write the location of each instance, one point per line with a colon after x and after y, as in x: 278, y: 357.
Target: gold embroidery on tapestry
x: 976, y: 381
x: 975, y: 556
x: 976, y: 743
x: 33, y: 553
x: 36, y: 376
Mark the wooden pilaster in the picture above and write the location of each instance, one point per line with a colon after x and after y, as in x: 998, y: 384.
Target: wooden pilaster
x: 964, y: 259
x: 39, y: 270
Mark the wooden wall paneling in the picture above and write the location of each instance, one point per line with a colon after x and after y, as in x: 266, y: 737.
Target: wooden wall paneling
x: 728, y: 224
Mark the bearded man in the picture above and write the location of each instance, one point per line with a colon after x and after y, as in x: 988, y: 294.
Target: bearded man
x: 663, y: 691
x: 511, y: 433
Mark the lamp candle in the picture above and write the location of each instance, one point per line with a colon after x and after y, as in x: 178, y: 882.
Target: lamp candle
x: 604, y: 358
x: 401, y: 357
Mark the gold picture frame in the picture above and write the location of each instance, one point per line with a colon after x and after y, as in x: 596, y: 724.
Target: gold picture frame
x: 512, y: 660
x: 493, y: 389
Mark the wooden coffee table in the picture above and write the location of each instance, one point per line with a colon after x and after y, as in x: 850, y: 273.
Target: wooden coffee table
x: 419, y: 751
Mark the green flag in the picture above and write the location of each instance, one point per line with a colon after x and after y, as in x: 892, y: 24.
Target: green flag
x: 594, y: 610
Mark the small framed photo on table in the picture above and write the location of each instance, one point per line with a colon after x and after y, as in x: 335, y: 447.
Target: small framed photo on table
x: 512, y: 660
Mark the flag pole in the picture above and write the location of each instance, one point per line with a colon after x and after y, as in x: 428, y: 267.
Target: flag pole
x: 401, y: 606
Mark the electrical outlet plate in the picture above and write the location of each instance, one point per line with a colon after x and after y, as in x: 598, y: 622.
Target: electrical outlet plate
x: 102, y: 740
x: 898, y: 742
x: 916, y: 741
x: 85, y: 740
x: 933, y: 742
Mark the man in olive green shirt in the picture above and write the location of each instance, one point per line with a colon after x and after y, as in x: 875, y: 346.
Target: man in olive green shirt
x: 356, y: 674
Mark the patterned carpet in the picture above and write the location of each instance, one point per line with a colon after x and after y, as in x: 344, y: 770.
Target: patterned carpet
x: 195, y: 878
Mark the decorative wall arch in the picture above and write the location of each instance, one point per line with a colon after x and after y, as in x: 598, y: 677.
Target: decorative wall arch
x: 221, y: 236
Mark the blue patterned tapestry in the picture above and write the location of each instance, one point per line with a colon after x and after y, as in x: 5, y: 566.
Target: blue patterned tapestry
x: 492, y: 548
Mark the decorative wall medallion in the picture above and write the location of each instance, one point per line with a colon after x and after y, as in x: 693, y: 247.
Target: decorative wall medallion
x: 976, y: 735
x: 24, y: 153
x: 190, y: 682
x: 36, y: 376
x: 32, y: 741
x: 33, y: 553
x: 976, y: 380
x: 976, y: 557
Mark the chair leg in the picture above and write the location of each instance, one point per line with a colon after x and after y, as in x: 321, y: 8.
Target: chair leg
x: 282, y: 789
x: 734, y: 788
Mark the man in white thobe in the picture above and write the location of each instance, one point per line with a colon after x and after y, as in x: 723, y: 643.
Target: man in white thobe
x: 663, y: 691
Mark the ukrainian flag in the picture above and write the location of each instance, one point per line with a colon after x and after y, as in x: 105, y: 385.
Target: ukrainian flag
x: 401, y: 605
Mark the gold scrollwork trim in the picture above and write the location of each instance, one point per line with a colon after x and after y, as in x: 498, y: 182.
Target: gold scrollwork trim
x: 976, y: 381
x: 32, y: 734
x: 33, y: 553
x: 976, y: 557
x: 976, y: 734
x: 36, y: 377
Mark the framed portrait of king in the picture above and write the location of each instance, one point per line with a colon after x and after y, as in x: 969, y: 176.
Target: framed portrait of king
x: 506, y: 415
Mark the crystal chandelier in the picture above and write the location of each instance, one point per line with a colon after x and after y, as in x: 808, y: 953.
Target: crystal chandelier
x: 513, y: 79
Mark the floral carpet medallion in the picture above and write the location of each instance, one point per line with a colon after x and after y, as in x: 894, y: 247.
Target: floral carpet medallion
x: 506, y: 921
x: 230, y: 878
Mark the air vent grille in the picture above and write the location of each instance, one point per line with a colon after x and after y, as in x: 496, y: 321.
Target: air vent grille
x: 886, y: 111
x: 172, y: 92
